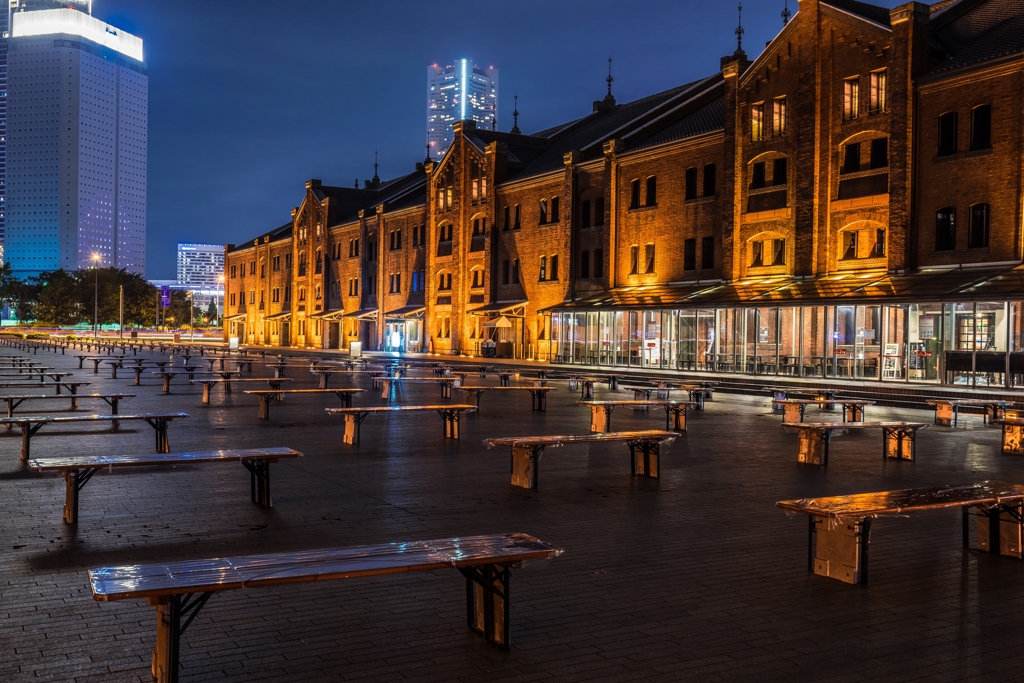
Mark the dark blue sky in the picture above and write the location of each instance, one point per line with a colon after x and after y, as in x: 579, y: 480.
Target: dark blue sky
x: 248, y: 99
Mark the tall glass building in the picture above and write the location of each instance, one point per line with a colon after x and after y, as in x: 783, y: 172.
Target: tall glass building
x: 457, y: 92
x: 76, y: 164
x: 200, y: 265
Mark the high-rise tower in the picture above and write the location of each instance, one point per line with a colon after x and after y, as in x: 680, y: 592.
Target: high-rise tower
x: 76, y: 163
x: 457, y: 92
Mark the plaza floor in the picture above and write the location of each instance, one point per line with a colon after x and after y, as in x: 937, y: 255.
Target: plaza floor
x: 693, y: 577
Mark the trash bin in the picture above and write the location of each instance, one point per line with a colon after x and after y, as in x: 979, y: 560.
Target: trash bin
x: 135, y: 334
x: 177, y: 337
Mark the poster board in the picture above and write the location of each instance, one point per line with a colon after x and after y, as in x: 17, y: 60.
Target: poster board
x: 892, y: 367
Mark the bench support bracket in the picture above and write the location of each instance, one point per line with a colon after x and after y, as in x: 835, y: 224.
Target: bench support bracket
x: 644, y: 458
x: 74, y: 481
x: 487, y: 602
x: 170, y: 611
x: 259, y: 481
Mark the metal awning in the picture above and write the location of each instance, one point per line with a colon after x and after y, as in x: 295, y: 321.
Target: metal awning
x: 236, y: 316
x: 362, y: 314
x: 406, y: 312
x: 328, y: 315
x: 283, y: 315
x: 501, y: 321
x: 516, y: 309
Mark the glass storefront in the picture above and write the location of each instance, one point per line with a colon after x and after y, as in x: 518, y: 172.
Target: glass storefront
x: 977, y: 344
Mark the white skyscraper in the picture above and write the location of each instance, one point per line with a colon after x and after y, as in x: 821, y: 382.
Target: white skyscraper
x: 458, y: 92
x: 78, y: 94
x: 200, y: 265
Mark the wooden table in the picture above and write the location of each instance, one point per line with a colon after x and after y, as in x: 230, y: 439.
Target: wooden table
x: 112, y: 400
x: 209, y: 383
x: 268, y: 395
x: 33, y: 423
x: 898, y: 438
x: 601, y: 413
x: 853, y: 408
x: 354, y: 417
x: 538, y: 394
x: 948, y: 410
x: 840, y: 526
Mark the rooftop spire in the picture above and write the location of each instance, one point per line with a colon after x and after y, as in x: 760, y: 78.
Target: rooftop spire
x: 739, y: 31
x: 376, y: 178
x: 609, y: 79
x: 428, y: 159
x: 785, y: 13
x: 515, y: 116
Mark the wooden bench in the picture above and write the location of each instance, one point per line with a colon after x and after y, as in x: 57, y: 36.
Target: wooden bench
x: 853, y: 408
x: 1013, y: 435
x: 779, y: 394
x: 208, y: 384
x: 389, y: 384
x: 268, y: 395
x: 898, y: 438
x: 169, y: 374
x: 697, y: 394
x: 527, y: 451
x: 112, y: 400
x: 948, y: 410
x: 178, y: 590
x: 840, y: 526
x: 539, y: 395
x: 354, y: 418
x: 72, y: 387
x: 33, y: 423
x: 78, y: 470
x: 601, y: 413
x: 324, y: 374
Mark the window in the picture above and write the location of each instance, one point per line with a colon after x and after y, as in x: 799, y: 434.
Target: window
x: 516, y: 224
x: 851, y: 98
x: 287, y: 260
x: 981, y: 127
x: 396, y: 239
x: 879, y: 153
x: 779, y: 116
x: 515, y: 271
x: 598, y: 263
x: 302, y: 293
x: 710, y: 176
x: 319, y: 266
x: 879, y: 243
x: 757, y: 176
x: 504, y: 272
x: 599, y: 211
x: 478, y: 278
x: 634, y: 194
x: 371, y: 285
x: 554, y: 209
x: 318, y: 291
x: 287, y: 293
x: 690, y: 254
x: 275, y: 295
x: 771, y: 252
x: 353, y: 248
x: 584, y: 264
x: 232, y: 298
x: 851, y: 158
x: 585, y: 213
x: 234, y: 271
x: 252, y: 267
x: 780, y: 169
x: 476, y: 227
x: 977, y: 236
x: 757, y: 121
x: 444, y: 233
x: 543, y: 269
x: 849, y: 245
x: 553, y: 267
x: 878, y: 97
x: 543, y: 211
x: 945, y: 229
x: 947, y: 134
x: 444, y: 281
x: 691, y: 183
x: 634, y: 259
x: 275, y: 263
x: 652, y: 191
x: 649, y: 258
x: 371, y: 250
x: 707, y: 253
x: 506, y: 222
x: 302, y: 264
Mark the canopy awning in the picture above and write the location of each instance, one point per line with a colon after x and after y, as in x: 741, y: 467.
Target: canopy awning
x: 236, y: 316
x: 283, y: 315
x: 328, y: 315
x: 362, y: 314
x: 498, y: 322
x: 516, y: 309
x: 405, y: 312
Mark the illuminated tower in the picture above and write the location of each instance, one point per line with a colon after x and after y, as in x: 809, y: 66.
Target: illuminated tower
x: 458, y: 92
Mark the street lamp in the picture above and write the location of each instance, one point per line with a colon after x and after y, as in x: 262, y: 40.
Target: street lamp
x: 220, y: 288
x: 96, y: 299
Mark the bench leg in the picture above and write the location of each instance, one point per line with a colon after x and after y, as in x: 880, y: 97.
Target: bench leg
x: 943, y: 414
x: 167, y: 384
x: 1001, y: 530
x: 646, y: 465
x: 812, y: 448
x: 323, y: 381
x: 162, y: 443
x: 839, y: 550
x: 898, y: 444
x: 352, y: 425
x: 74, y: 481
x: 526, y: 466
x: 446, y: 390
x: 259, y: 481
x: 588, y: 391
x: 853, y: 413
x: 675, y: 418
x: 792, y: 412
x: 600, y: 419
x: 206, y: 394
x: 265, y: 406
x: 487, y: 602
x: 170, y: 611
x: 26, y: 440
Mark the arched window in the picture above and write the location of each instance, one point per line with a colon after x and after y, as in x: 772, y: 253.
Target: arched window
x: 302, y: 264
x: 444, y: 281
x: 319, y: 267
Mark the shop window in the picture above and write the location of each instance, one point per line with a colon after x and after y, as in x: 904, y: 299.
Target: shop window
x: 649, y: 258
x: 945, y: 229
x: 585, y: 213
x: 691, y: 183
x: 634, y: 194
x: 634, y: 259
x: 710, y: 177
x: 977, y: 236
x: 879, y: 153
x: 599, y: 263
x: 584, y: 264
x: 947, y: 134
x: 757, y: 121
x: 981, y: 127
x: 652, y: 191
x: 707, y: 253
x: 851, y: 158
x: 690, y: 254
x: 878, y: 97
x: 851, y: 98
x: 779, y: 119
x: 599, y: 211
x: 780, y: 171
x: 757, y: 179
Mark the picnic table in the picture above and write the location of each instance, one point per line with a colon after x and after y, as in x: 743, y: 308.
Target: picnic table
x: 77, y: 470
x: 13, y: 402
x: 853, y: 408
x: 840, y: 526
x: 209, y: 383
x: 179, y: 590
x: 268, y: 395
x: 539, y: 395
x: 354, y: 417
x: 33, y: 423
x: 898, y: 438
x: 948, y: 410
x: 527, y: 451
x: 601, y: 413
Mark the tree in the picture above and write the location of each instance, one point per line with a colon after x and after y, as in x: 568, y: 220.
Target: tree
x: 211, y: 313
x: 60, y: 299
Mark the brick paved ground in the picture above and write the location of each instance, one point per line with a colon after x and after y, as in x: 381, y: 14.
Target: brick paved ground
x: 694, y: 577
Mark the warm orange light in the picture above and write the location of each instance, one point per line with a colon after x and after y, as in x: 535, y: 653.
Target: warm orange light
x: 96, y: 258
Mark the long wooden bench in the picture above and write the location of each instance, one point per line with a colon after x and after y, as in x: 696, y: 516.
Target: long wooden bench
x: 539, y: 395
x: 853, y: 408
x: 178, y: 590
x: 898, y: 438
x: 268, y: 395
x: 170, y: 373
x: 111, y: 400
x: 208, y: 383
x: 72, y: 387
x: 390, y: 384
x: 77, y: 470
x: 354, y: 417
x: 840, y: 526
x: 947, y: 411
x: 33, y: 423
x: 697, y: 394
x: 527, y: 451
x: 601, y: 413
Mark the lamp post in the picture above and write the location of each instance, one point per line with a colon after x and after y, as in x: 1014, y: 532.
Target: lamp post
x: 220, y: 289
x: 191, y: 315
x: 96, y: 298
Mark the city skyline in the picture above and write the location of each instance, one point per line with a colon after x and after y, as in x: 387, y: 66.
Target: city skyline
x: 459, y: 91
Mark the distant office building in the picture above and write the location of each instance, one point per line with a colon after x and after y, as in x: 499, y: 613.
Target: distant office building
x: 200, y: 265
x: 5, y: 24
x: 457, y: 92
x: 76, y: 165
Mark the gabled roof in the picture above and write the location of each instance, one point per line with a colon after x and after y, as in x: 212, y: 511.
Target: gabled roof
x: 281, y: 233
x: 879, y: 15
x: 987, y: 30
x: 707, y: 118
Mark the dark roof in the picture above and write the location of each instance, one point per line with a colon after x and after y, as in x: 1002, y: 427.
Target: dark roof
x: 879, y: 15
x: 707, y: 118
x: 284, y: 232
x: 988, y: 30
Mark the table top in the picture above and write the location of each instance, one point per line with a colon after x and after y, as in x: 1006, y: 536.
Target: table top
x: 91, y: 461
x: 971, y: 402
x: 43, y: 384
x: 236, y: 380
x: 637, y: 403
x: 519, y: 388
x: 192, y: 576
x: 906, y: 500
x: 89, y: 418
x: 815, y: 401
x: 853, y: 425
x: 386, y: 409
x: 304, y: 391
x: 77, y: 397
x: 639, y: 435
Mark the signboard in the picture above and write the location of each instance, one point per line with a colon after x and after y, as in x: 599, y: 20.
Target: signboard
x: 891, y: 367
x: 926, y: 327
x: 839, y: 352
x: 923, y: 354
x: 165, y: 296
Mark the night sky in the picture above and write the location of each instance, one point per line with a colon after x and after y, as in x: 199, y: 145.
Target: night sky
x: 247, y: 100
